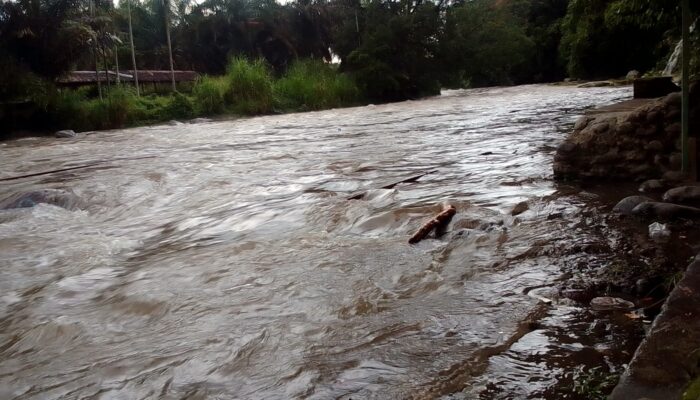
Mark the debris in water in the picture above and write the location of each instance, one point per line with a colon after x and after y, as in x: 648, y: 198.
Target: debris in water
x: 440, y: 220
x: 659, y: 231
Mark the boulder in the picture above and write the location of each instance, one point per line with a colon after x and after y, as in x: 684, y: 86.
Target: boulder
x: 634, y: 74
x: 665, y: 211
x: 626, y: 205
x: 65, y: 134
x: 683, y: 194
x: 596, y: 84
x: 652, y: 185
x: 520, y: 208
x: 658, y: 86
x: 58, y: 197
x: 610, y: 303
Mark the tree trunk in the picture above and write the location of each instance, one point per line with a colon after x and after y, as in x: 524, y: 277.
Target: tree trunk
x: 104, y: 60
x: 116, y: 63
x: 97, y: 72
x: 166, y: 6
x: 133, y: 53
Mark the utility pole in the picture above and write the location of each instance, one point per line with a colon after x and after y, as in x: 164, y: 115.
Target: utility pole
x: 133, y: 53
x: 166, y: 7
x: 684, y: 87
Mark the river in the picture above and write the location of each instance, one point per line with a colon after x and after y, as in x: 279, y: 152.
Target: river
x: 224, y: 259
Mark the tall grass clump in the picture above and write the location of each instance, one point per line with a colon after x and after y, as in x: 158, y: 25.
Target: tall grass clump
x: 180, y: 106
x: 249, y: 86
x: 208, y: 95
x: 120, y: 105
x: 314, y: 85
x: 67, y: 109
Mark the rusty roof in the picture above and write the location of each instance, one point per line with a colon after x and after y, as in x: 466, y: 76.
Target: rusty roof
x: 157, y: 76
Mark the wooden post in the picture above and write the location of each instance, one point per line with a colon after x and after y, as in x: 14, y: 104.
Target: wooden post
x: 684, y: 87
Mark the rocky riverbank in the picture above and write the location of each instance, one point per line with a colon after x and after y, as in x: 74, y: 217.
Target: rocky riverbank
x: 632, y: 141
x: 637, y: 144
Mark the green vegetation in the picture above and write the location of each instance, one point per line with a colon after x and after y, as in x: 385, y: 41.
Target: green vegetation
x: 249, y: 88
x: 261, y: 56
x: 693, y: 390
x: 594, y: 383
x: 313, y: 85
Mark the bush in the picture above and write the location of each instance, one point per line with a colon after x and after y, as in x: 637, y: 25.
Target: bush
x: 249, y: 86
x: 67, y: 110
x: 180, y: 107
x: 208, y: 95
x: 120, y: 105
x: 314, y: 85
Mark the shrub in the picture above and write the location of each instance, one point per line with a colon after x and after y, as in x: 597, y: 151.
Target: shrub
x: 120, y: 105
x: 67, y: 110
x: 314, y: 85
x: 180, y: 107
x: 249, y: 86
x: 208, y: 95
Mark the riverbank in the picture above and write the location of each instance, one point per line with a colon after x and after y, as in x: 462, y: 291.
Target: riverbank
x: 637, y: 143
x: 248, y: 89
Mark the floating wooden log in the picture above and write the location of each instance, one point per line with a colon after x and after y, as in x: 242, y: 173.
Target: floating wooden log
x: 439, y: 221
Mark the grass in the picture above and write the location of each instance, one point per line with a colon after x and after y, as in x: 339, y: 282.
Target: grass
x: 314, y: 85
x: 248, y: 88
x: 594, y: 383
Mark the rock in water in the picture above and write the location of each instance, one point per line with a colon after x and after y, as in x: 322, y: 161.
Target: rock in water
x: 520, y: 208
x: 665, y: 211
x: 652, y: 185
x: 58, y: 197
x: 683, y: 194
x: 626, y: 205
x: 634, y: 74
x: 68, y: 133
x: 611, y: 303
x: 659, y: 231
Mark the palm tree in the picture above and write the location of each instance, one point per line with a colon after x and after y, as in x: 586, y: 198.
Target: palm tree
x: 166, y: 13
x: 133, y: 52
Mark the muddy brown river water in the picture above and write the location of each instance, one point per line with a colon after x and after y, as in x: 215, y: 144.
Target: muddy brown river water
x: 224, y: 260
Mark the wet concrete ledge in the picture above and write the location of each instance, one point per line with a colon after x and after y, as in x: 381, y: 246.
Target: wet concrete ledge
x: 667, y: 360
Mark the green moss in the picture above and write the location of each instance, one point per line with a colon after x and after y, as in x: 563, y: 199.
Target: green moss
x: 693, y: 390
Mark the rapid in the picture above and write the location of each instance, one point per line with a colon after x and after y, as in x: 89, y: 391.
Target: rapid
x: 226, y: 259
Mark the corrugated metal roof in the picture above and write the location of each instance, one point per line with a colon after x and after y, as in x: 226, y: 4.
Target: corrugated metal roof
x: 157, y: 76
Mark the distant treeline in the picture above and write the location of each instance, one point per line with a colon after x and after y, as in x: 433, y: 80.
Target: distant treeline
x: 390, y: 49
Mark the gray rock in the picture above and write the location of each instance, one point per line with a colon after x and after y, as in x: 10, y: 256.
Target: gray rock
x: 520, y: 208
x: 654, y: 145
x: 200, y: 120
x: 566, y: 147
x: 675, y: 160
x: 626, y: 205
x: 665, y: 211
x: 65, y: 134
x: 652, y: 185
x: 611, y: 303
x: 683, y: 194
x: 595, y: 84
x: 673, y: 99
x: 674, y: 176
x: 57, y: 197
x: 634, y: 74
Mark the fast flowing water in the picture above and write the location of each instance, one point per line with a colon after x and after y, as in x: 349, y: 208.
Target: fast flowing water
x: 225, y: 259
